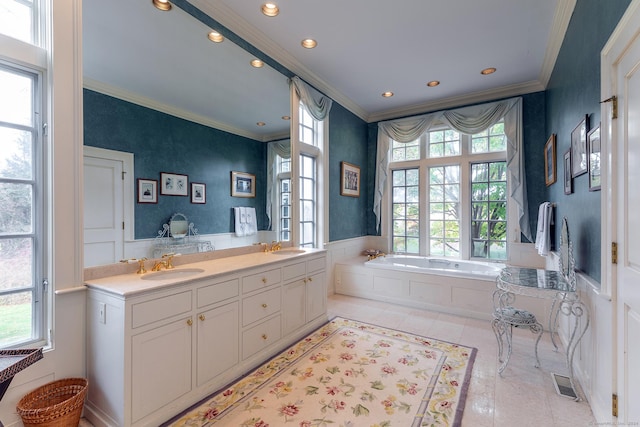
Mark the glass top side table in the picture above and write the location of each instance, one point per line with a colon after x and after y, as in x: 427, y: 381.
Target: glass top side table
x: 549, y: 284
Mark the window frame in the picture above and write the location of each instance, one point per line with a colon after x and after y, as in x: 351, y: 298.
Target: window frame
x: 318, y: 149
x: 32, y: 59
x: 464, y: 159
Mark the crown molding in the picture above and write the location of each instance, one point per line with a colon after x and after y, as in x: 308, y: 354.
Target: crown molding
x: 457, y: 101
x: 143, y: 101
x: 561, y: 19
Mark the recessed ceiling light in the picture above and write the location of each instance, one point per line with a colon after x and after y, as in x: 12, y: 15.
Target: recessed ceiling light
x: 387, y: 94
x: 257, y: 63
x: 261, y: 123
x: 309, y: 43
x: 488, y: 71
x: 270, y: 9
x: 162, y: 4
x: 286, y: 117
x: 215, y: 37
x: 433, y: 83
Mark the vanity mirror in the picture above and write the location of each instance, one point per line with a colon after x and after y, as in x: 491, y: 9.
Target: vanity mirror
x: 178, y: 226
x: 164, y: 61
x: 179, y: 236
x: 567, y: 262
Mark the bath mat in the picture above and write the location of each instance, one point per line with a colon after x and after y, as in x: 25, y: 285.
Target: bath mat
x: 347, y: 373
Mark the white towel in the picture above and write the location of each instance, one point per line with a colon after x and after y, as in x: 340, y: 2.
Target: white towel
x: 243, y: 215
x: 543, y: 234
x: 251, y: 226
x: 238, y: 224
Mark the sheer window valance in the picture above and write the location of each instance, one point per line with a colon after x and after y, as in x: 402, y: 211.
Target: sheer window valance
x: 316, y: 103
x: 467, y: 120
x: 275, y: 149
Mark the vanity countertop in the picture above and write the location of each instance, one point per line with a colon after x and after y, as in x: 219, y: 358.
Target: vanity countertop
x: 127, y: 285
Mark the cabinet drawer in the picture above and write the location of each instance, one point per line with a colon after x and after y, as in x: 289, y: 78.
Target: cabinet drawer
x: 260, y: 306
x: 153, y: 310
x: 292, y: 271
x: 316, y: 264
x: 217, y: 292
x: 260, y: 336
x: 260, y: 280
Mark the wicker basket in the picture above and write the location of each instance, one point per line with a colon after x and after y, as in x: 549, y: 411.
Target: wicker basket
x: 56, y: 404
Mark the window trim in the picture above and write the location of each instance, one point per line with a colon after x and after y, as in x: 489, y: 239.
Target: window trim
x: 465, y: 159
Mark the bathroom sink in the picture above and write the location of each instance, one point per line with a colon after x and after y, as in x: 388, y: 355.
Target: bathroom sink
x: 289, y: 252
x: 176, y: 273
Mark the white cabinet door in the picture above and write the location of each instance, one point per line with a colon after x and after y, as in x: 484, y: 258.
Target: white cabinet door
x: 160, y: 367
x: 293, y: 310
x: 316, y: 295
x: 218, y: 341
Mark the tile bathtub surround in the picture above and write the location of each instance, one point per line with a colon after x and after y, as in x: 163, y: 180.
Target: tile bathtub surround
x: 523, y: 396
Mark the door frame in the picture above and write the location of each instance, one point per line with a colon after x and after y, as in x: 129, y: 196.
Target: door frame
x: 128, y: 190
x: 615, y: 47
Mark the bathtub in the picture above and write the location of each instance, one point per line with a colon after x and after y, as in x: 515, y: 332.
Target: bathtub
x: 439, y: 266
x: 446, y: 285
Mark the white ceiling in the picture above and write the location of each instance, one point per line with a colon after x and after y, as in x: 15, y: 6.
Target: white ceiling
x: 365, y: 47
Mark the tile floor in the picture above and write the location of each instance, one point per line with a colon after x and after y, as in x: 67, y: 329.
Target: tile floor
x: 523, y: 396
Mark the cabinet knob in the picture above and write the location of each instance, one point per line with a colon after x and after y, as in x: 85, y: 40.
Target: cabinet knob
x: 264, y: 305
x: 264, y: 280
x: 189, y: 322
x: 304, y: 280
x: 201, y: 317
x: 310, y: 279
x: 264, y: 337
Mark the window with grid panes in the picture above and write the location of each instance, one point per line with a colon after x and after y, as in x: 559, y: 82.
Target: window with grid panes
x: 22, y: 187
x: 284, y: 199
x: 444, y: 210
x: 406, y: 210
x: 452, y: 163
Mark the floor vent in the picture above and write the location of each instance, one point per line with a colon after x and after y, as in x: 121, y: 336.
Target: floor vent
x: 563, y: 386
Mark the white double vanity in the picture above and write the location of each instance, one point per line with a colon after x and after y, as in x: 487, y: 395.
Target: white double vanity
x: 161, y: 341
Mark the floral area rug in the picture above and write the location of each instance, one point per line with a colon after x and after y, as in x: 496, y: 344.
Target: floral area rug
x: 347, y: 374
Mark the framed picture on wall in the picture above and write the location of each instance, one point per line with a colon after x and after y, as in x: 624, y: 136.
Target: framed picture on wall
x: 593, y: 148
x: 579, y: 148
x: 173, y: 184
x: 147, y: 190
x: 568, y: 179
x: 349, y: 180
x: 550, y: 160
x: 243, y: 184
x: 198, y: 193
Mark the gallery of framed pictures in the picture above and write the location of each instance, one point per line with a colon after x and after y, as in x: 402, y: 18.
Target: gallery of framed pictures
x: 349, y: 180
x: 579, y: 148
x: 147, y: 190
x: 550, y: 160
x: 173, y: 184
x: 243, y: 184
x: 198, y: 193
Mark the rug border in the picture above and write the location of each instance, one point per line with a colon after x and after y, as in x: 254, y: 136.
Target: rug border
x: 457, y: 421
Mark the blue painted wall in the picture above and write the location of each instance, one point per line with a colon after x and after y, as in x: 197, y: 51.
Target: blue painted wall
x: 164, y: 143
x: 573, y: 92
x: 347, y: 143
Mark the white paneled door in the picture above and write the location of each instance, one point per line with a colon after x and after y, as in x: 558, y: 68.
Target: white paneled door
x: 621, y: 70
x: 108, y: 205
